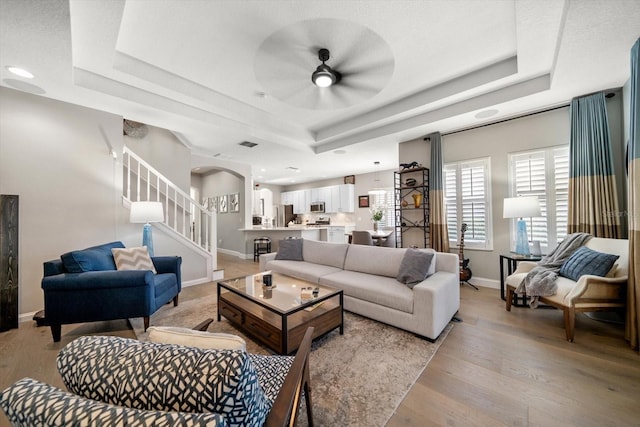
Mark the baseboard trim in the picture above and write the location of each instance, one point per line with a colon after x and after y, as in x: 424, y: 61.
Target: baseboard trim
x: 485, y: 283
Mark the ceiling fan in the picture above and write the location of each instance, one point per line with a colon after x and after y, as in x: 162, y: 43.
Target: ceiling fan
x: 356, y: 64
x: 324, y: 75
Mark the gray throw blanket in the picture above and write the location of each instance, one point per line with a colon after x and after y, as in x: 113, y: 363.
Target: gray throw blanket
x: 541, y: 280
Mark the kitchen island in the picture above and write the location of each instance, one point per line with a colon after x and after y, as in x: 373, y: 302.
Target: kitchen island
x: 278, y: 233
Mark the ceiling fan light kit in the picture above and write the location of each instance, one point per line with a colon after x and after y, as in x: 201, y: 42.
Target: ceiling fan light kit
x: 324, y: 75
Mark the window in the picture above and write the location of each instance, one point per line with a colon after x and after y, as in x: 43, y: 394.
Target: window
x: 543, y: 173
x: 384, y: 200
x: 468, y: 201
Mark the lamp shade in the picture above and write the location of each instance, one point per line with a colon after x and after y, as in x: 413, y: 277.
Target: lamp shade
x: 146, y: 212
x: 521, y: 207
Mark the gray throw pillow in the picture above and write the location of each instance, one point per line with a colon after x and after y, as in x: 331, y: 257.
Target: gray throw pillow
x: 414, y: 267
x: 587, y: 261
x: 290, y: 249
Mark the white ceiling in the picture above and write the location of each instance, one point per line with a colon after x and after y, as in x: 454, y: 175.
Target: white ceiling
x: 217, y: 73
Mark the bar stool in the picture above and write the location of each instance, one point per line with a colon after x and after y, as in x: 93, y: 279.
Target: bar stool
x: 261, y: 245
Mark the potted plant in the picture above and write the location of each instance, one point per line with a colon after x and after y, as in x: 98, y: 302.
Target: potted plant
x: 376, y: 215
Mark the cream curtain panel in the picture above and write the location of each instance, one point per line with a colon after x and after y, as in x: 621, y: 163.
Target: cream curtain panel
x: 633, y: 289
x: 438, y: 234
x: 593, y: 202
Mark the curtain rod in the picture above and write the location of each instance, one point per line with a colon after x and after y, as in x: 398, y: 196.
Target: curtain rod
x: 557, y: 107
x: 609, y: 93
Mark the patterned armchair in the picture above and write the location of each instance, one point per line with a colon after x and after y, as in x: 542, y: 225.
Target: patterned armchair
x: 119, y: 381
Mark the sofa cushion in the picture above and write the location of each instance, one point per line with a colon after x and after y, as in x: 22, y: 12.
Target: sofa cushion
x: 290, y: 249
x: 414, y: 267
x: 587, y: 261
x: 136, y: 258
x: 95, y: 258
x: 375, y: 260
x: 164, y: 377
x: 31, y: 403
x: 192, y: 338
x: 301, y: 269
x: 324, y: 253
x: 385, y: 291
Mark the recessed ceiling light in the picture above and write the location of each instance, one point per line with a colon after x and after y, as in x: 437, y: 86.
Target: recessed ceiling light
x: 486, y: 113
x: 20, y: 72
x: 340, y: 152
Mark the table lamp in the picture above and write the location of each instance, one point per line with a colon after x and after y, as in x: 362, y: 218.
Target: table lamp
x: 521, y: 207
x: 146, y: 213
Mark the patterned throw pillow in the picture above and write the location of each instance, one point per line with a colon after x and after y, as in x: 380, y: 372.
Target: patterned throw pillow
x: 165, y: 377
x: 587, y: 261
x: 31, y: 403
x: 133, y: 259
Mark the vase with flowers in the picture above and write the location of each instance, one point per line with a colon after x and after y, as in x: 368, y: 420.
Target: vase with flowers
x: 376, y: 215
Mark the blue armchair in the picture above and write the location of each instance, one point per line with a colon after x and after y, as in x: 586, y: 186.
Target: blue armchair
x: 85, y: 286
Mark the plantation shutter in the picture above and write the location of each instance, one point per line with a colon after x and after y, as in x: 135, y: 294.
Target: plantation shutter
x: 545, y: 174
x: 467, y: 201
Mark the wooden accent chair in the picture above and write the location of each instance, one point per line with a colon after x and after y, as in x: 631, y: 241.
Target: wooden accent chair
x: 589, y: 293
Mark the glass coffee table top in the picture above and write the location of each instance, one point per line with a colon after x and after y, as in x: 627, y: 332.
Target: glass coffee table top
x: 284, y: 295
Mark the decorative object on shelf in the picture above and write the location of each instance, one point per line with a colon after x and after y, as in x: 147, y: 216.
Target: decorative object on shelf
x: 146, y: 213
x: 417, y: 199
x: 234, y: 202
x: 465, y: 271
x: 223, y: 205
x: 521, y: 207
x: 411, y: 165
x: 411, y: 219
x: 363, y: 201
x: 350, y: 179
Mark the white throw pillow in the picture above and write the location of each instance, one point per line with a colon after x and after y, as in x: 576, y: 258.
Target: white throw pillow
x: 133, y: 259
x: 193, y: 338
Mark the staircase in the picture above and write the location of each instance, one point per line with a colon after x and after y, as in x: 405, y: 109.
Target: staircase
x: 184, y: 218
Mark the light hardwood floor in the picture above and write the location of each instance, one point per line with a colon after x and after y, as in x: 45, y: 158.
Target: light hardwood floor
x: 495, y: 368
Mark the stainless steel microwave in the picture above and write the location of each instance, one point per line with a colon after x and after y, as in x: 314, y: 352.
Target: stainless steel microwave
x: 317, y: 207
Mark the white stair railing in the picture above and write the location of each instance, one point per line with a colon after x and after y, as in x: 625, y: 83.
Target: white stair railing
x: 184, y: 215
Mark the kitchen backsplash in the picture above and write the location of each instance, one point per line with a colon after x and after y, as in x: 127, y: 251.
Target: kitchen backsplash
x: 336, y: 218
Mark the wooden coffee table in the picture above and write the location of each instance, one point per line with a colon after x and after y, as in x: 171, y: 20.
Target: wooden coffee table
x: 277, y: 317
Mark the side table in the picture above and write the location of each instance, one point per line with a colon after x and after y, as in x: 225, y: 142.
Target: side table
x: 512, y: 261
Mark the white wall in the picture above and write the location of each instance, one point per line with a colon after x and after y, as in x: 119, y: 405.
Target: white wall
x: 497, y: 141
x: 165, y: 153
x: 220, y: 183
x: 55, y: 156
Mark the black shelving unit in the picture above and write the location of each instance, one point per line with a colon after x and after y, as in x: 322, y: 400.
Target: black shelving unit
x: 412, y: 218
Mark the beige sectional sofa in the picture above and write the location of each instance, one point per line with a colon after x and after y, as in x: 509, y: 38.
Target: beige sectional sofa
x: 367, y: 276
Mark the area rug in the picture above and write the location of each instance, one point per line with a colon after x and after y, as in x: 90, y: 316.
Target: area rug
x: 357, y: 379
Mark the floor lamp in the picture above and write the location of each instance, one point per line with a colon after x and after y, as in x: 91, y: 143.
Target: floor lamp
x: 521, y: 207
x: 146, y: 213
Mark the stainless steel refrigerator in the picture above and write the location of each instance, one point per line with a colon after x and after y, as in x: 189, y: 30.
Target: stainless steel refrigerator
x: 284, y: 214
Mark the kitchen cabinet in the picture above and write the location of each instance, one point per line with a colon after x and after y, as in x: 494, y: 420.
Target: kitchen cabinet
x: 298, y: 198
x: 336, y: 198
x: 341, y: 198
